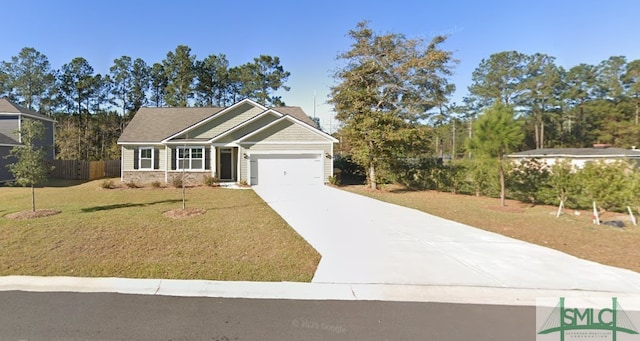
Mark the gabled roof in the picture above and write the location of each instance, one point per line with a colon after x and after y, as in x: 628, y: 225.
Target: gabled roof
x: 152, y: 125
x: 292, y: 119
x: 8, y: 107
x: 157, y: 125
x: 239, y: 126
x: 211, y: 117
x: 577, y: 153
x: 298, y: 113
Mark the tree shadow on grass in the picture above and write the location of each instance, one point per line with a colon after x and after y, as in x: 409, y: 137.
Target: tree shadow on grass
x: 127, y: 205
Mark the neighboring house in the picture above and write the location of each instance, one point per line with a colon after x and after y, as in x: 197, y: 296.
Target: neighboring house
x: 245, y: 142
x: 11, y: 118
x: 578, y: 156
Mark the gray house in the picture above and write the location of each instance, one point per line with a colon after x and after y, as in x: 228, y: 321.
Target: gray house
x: 245, y: 142
x: 11, y: 118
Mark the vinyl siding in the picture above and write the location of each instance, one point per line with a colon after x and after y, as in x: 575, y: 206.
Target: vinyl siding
x: 4, y: 171
x: 253, y: 126
x: 286, y: 131
x: 9, y: 126
x: 129, y: 157
x: 225, y: 122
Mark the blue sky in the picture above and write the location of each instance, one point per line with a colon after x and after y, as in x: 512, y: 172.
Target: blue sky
x: 308, y: 35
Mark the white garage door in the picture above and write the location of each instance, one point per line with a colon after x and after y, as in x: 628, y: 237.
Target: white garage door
x: 286, y: 169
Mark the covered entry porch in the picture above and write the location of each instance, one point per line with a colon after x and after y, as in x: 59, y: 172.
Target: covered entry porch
x: 225, y: 163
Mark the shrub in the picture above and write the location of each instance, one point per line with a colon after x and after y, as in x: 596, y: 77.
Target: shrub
x: 108, y: 184
x: 177, y: 182
x: 528, y: 179
x: 156, y: 184
x: 209, y: 180
x: 334, y: 180
x: 132, y: 184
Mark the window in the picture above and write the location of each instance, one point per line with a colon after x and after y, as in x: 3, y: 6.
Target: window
x: 190, y: 158
x: 145, y: 158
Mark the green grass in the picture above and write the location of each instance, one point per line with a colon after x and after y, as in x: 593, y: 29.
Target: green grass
x: 122, y: 233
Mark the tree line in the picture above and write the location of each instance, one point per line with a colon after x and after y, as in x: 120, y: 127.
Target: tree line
x: 92, y: 109
x: 393, y: 97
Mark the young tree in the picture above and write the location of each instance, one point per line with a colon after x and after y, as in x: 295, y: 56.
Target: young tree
x: 495, y: 134
x: 30, y: 167
x: 387, y: 87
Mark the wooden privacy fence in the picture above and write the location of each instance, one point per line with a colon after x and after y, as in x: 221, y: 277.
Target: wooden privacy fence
x: 84, y: 170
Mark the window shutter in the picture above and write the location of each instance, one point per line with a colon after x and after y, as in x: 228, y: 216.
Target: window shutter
x: 174, y: 157
x: 207, y: 158
x: 156, y: 158
x: 136, y: 155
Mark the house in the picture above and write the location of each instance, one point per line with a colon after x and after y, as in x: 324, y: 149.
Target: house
x: 245, y: 142
x: 578, y: 156
x: 11, y: 118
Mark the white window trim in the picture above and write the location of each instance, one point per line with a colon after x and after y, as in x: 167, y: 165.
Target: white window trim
x: 153, y: 155
x: 190, y: 148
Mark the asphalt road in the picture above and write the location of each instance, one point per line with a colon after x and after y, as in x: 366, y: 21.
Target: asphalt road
x: 104, y: 316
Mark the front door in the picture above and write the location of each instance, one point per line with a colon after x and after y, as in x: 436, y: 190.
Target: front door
x: 226, y: 164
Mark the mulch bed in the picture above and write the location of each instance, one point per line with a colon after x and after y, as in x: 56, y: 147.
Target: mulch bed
x: 31, y: 214
x: 184, y: 213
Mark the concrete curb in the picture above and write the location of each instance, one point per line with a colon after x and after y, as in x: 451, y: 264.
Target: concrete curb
x: 298, y: 291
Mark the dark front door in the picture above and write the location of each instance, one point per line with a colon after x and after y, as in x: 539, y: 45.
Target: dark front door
x: 225, y: 164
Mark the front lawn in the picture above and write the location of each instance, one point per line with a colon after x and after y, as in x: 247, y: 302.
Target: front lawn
x: 123, y: 233
x: 572, y: 233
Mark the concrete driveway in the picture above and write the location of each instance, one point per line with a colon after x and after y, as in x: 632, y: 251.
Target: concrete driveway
x: 365, y: 241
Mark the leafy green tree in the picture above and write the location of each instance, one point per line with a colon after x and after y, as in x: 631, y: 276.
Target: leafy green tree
x: 631, y: 82
x: 212, y: 80
x: 499, y: 78
x: 580, y: 83
x: 496, y: 133
x: 4, y: 81
x: 266, y: 76
x: 179, y: 69
x: 122, y: 78
x: 30, y: 76
x: 384, y: 92
x: 77, y: 85
x: 30, y: 167
x: 159, y: 82
x: 562, y: 185
x: 140, y: 74
x: 528, y: 179
x: 540, y: 93
x: 607, y: 184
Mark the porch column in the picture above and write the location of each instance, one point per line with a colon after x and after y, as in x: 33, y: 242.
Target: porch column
x: 213, y: 161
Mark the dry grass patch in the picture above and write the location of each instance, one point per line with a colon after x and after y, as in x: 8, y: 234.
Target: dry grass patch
x: 123, y: 233
x: 570, y: 233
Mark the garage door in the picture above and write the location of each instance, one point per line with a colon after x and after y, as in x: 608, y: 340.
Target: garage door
x: 286, y: 169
